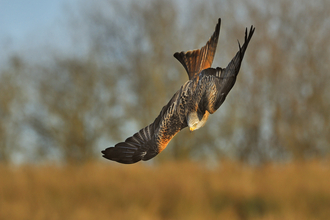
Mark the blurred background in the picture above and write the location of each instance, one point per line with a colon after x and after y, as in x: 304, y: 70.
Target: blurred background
x: 79, y: 76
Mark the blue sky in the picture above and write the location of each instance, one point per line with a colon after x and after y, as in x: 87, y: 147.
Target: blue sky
x: 19, y: 18
x: 26, y: 23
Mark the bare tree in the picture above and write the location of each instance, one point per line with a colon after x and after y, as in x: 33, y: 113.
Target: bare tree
x: 10, y: 94
x: 126, y: 73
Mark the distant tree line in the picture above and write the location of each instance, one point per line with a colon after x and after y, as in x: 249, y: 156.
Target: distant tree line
x: 70, y: 108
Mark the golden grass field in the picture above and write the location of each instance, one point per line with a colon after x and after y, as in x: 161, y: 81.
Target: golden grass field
x: 185, y: 190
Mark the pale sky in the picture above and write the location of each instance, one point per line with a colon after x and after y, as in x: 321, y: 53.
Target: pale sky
x: 19, y: 17
x: 26, y: 23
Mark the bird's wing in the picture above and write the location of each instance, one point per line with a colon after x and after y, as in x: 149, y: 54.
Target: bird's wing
x: 151, y: 140
x: 235, y: 64
x: 194, y: 61
x: 220, y: 81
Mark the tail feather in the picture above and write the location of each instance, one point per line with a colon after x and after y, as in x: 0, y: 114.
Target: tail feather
x: 194, y: 61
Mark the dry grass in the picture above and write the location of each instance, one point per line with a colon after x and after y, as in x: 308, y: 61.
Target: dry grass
x: 169, y: 191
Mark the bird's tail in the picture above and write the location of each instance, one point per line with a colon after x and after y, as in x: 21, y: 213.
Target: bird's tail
x: 194, y: 61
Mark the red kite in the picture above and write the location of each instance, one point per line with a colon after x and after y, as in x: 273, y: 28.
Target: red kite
x: 200, y: 96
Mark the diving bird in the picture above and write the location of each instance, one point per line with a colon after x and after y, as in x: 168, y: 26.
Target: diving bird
x: 190, y: 106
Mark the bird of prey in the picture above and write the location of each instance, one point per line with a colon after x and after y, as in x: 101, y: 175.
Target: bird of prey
x: 190, y: 106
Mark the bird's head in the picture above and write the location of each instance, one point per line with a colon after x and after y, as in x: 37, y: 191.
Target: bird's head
x: 194, y: 121
x: 193, y: 127
x: 197, y: 119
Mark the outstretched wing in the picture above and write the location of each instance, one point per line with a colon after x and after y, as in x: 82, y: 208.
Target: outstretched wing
x: 220, y: 81
x: 194, y: 61
x: 151, y: 140
x: 235, y: 64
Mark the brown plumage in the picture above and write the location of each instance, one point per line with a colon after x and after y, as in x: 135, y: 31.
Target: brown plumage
x: 190, y: 106
x: 194, y: 61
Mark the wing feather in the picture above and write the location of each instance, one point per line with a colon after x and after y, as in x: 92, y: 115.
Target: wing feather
x: 223, y: 79
x: 152, y: 139
x: 235, y: 64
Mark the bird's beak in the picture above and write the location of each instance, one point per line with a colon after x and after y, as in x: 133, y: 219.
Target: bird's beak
x: 191, y: 129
